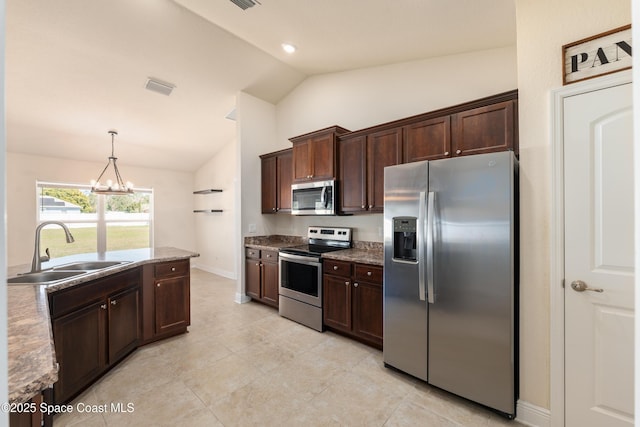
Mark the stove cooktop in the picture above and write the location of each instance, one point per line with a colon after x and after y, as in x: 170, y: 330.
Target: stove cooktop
x: 312, y: 249
x: 322, y: 240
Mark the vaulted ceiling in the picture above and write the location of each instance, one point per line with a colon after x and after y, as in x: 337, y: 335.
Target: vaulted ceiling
x: 77, y: 68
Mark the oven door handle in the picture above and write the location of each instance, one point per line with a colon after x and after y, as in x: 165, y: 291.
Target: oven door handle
x: 301, y: 259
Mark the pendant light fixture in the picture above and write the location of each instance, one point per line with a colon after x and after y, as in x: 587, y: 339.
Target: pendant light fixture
x: 109, y: 186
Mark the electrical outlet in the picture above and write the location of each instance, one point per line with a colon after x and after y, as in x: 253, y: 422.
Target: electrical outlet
x: 379, y: 231
x: 252, y: 228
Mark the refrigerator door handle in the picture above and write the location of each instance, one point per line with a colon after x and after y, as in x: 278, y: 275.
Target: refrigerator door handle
x: 431, y: 296
x: 421, y: 258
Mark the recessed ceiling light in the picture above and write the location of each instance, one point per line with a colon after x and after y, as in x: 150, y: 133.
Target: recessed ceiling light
x: 289, y: 48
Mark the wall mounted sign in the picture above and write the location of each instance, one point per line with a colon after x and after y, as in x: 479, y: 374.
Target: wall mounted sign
x: 594, y: 56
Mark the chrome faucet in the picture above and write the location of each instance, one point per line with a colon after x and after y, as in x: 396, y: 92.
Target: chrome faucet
x: 36, y: 263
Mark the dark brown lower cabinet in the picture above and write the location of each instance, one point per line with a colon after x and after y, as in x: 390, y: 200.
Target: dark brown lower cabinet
x: 94, y: 326
x: 261, y: 276
x: 352, y: 300
x: 172, y: 305
x: 30, y: 415
x: 123, y: 323
x: 166, y: 299
x: 80, y: 349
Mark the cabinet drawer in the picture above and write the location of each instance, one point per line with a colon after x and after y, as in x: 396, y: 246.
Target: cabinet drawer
x: 337, y: 268
x: 171, y: 269
x: 368, y: 273
x: 67, y: 300
x: 269, y: 256
x: 252, y: 253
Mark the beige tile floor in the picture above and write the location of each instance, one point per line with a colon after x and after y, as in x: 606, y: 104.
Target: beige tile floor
x: 243, y: 365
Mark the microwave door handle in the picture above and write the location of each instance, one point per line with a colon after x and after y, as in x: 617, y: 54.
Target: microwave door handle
x: 323, y: 197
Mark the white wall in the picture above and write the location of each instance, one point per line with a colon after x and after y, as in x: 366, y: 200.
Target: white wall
x: 173, y: 199
x: 543, y: 27
x: 215, y: 232
x: 255, y: 133
x: 361, y: 98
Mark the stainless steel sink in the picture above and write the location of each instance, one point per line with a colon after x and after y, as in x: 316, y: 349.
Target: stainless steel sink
x: 63, y: 272
x: 43, y: 277
x: 89, y: 265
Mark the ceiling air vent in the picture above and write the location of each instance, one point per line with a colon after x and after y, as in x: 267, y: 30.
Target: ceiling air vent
x: 245, y: 4
x: 155, y: 85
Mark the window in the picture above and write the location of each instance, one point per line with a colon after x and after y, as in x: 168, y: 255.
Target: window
x: 98, y: 222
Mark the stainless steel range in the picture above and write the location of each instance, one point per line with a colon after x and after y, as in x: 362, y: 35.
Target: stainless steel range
x: 300, y: 284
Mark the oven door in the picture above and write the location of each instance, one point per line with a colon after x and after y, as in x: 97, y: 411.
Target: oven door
x: 301, y: 278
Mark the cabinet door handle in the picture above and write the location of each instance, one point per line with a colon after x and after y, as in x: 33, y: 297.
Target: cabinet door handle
x: 173, y: 269
x: 370, y: 206
x: 364, y: 206
x: 355, y: 285
x: 158, y: 284
x: 458, y: 151
x: 114, y: 302
x: 368, y: 273
x: 335, y: 267
x: 103, y: 306
x: 346, y: 283
x: 446, y: 153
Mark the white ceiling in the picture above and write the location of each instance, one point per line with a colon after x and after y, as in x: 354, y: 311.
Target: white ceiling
x: 77, y: 68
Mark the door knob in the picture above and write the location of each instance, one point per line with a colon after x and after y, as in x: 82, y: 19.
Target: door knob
x: 580, y: 286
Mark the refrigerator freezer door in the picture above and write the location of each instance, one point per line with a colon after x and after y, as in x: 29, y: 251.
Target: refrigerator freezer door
x: 405, y: 307
x: 471, y: 324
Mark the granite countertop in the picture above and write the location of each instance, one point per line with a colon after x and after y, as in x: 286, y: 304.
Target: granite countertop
x: 273, y: 242
x: 362, y: 252
x: 31, y: 358
x: 363, y: 256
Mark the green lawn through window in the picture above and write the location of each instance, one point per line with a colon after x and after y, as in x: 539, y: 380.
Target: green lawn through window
x: 118, y: 238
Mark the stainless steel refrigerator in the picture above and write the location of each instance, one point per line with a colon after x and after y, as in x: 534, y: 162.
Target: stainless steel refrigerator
x: 451, y: 277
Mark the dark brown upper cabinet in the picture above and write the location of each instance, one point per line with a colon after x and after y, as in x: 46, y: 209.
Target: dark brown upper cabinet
x: 427, y: 140
x: 277, y: 174
x: 314, y: 154
x: 484, y: 129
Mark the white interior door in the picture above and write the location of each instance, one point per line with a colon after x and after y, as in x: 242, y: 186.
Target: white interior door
x: 599, y: 255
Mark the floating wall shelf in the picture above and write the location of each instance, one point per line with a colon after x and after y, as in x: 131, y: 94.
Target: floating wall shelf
x: 207, y: 191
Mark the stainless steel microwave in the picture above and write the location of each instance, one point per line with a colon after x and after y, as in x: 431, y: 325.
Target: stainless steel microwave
x: 314, y: 198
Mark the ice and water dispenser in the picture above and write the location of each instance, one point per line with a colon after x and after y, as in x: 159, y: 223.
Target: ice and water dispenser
x: 405, y: 239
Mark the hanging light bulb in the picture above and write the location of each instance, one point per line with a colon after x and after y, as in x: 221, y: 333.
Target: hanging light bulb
x: 111, y: 187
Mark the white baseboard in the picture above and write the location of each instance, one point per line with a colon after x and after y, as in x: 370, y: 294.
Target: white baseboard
x: 532, y: 415
x: 224, y: 273
x: 241, y: 298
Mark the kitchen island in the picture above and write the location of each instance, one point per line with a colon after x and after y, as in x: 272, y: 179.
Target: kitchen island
x: 31, y: 353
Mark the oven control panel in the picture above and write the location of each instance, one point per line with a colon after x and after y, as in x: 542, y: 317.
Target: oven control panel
x: 329, y: 233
